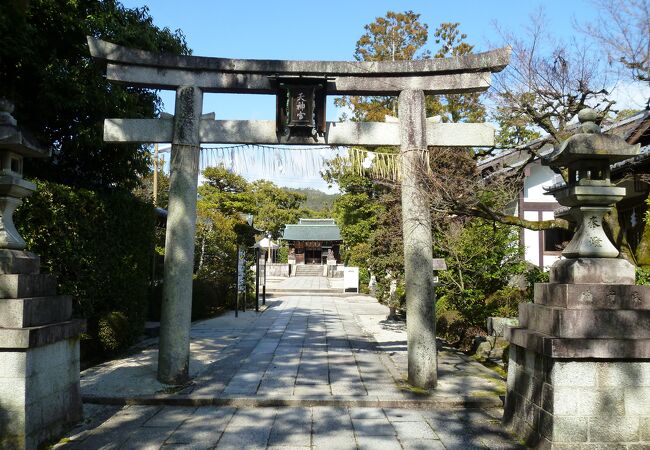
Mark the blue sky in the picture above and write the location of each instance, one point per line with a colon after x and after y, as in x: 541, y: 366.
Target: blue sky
x: 329, y: 31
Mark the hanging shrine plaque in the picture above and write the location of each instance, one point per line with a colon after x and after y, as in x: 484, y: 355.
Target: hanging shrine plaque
x: 301, y: 107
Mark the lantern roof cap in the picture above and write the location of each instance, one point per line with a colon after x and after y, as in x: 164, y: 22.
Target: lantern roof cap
x: 14, y: 138
x: 590, y: 144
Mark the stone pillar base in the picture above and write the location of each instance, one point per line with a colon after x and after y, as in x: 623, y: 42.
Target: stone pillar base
x: 39, y: 355
x: 39, y: 393
x: 568, y: 404
x: 579, y: 368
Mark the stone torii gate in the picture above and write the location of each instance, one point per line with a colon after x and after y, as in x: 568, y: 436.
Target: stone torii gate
x: 192, y: 76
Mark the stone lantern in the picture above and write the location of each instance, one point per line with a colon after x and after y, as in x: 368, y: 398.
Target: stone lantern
x: 579, y: 360
x: 15, y: 144
x: 589, y: 193
x: 39, y: 340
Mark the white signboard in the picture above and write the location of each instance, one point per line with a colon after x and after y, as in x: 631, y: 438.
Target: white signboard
x: 351, y: 279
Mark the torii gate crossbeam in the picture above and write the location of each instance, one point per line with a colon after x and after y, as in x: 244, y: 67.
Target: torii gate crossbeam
x: 191, y: 76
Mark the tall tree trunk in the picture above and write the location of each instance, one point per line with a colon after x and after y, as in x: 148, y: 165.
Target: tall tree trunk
x: 643, y: 250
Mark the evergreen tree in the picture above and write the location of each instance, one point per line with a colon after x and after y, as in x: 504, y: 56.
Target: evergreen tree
x: 62, y: 96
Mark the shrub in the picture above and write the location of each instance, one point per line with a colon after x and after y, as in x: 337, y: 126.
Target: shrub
x: 209, y: 299
x: 535, y: 274
x: 113, y: 331
x: 482, y: 259
x: 454, y: 328
x: 100, y: 247
x: 643, y: 275
x: 447, y: 324
x: 505, y: 301
x: 283, y: 253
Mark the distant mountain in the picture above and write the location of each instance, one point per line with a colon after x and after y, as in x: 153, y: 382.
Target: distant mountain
x: 316, y: 200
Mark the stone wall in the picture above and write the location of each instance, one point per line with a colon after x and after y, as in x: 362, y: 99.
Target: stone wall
x: 578, y: 404
x: 39, y: 393
x: 277, y: 270
x: 39, y: 354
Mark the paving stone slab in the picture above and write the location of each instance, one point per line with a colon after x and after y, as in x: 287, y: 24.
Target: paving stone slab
x: 414, y: 430
x: 170, y: 417
x: 147, y: 439
x: 367, y: 413
x: 373, y: 427
x: 402, y: 415
x: 422, y: 444
x: 378, y: 442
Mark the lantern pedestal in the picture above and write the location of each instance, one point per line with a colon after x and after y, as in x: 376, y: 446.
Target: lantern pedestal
x: 39, y: 354
x: 593, y: 270
x: 590, y: 239
x: 579, y: 368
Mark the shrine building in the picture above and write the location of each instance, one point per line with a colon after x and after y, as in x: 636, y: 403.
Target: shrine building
x: 310, y: 240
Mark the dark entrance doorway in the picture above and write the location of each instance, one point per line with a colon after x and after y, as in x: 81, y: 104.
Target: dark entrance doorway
x: 313, y: 252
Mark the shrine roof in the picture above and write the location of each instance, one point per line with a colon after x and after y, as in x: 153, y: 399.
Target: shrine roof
x: 312, y: 230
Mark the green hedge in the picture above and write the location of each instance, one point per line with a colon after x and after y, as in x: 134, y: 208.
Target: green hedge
x: 209, y: 299
x: 100, y: 245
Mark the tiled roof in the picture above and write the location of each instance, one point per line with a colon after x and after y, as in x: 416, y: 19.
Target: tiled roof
x: 509, y: 159
x: 312, y: 230
x: 316, y: 222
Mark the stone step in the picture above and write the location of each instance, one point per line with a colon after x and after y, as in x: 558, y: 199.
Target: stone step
x: 308, y: 270
x: 314, y: 292
x: 34, y: 311
x: 585, y: 323
x: 18, y: 261
x: 568, y: 348
x: 411, y: 401
x: 15, y: 338
x: 27, y: 285
x: 592, y: 296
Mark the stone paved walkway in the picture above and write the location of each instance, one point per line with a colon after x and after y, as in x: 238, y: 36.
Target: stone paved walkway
x: 305, y: 284
x: 312, y: 371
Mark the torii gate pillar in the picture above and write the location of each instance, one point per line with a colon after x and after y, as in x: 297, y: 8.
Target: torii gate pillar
x: 418, y: 251
x: 176, y: 313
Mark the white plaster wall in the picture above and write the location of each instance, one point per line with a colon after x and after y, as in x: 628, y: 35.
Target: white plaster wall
x: 540, y: 177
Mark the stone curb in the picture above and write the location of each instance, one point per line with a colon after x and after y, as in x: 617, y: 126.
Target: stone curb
x: 247, y: 402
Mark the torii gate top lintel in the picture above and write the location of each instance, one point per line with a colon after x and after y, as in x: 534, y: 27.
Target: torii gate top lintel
x: 463, y: 74
x: 490, y: 61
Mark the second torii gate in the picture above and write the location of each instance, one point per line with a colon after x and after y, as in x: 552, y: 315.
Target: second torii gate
x: 191, y: 76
